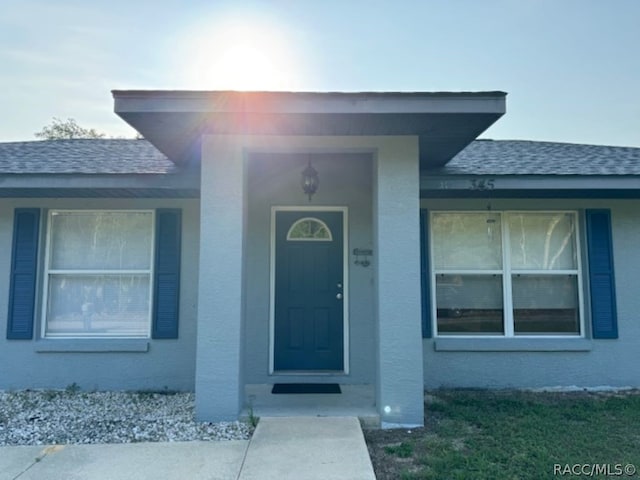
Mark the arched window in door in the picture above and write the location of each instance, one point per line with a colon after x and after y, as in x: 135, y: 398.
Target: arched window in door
x: 309, y: 229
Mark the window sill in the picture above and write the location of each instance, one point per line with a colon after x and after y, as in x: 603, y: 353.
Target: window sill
x: 512, y: 345
x: 93, y: 345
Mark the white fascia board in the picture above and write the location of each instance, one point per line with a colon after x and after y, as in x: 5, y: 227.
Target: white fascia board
x: 308, y: 103
x: 70, y: 181
x: 529, y: 182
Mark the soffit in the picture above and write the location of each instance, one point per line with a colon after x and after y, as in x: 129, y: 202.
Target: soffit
x: 174, y: 121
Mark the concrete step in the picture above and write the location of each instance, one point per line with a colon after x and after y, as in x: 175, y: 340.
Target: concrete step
x: 368, y: 419
x: 354, y: 401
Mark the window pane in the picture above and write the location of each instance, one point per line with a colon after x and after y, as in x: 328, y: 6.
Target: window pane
x: 100, y: 240
x: 470, y: 241
x: 309, y: 229
x: 469, y: 304
x: 545, y: 304
x: 98, y: 305
x: 543, y: 241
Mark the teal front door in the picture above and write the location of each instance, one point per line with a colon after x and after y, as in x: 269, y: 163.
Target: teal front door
x: 309, y: 323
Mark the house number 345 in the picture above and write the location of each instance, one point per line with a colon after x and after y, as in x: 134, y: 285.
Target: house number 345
x: 481, y: 184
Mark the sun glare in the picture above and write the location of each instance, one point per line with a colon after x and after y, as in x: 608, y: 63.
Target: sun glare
x: 240, y: 58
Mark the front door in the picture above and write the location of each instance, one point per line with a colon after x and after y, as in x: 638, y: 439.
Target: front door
x: 308, y: 323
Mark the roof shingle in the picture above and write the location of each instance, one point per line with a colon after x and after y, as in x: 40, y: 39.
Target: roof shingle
x: 523, y: 157
x: 83, y: 156
x: 481, y: 157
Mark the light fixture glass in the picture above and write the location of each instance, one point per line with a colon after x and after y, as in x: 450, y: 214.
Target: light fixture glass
x: 310, y: 180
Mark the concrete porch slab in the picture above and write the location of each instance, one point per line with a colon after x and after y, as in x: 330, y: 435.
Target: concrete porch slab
x: 308, y: 448
x: 354, y: 401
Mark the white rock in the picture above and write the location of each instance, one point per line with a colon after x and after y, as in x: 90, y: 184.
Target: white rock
x: 46, y: 417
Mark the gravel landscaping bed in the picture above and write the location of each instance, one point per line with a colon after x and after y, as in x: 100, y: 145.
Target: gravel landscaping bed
x: 68, y: 417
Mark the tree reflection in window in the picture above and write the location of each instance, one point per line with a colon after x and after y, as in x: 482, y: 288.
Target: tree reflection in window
x: 310, y: 229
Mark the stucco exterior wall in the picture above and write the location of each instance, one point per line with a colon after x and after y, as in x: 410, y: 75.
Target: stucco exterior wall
x: 399, y: 394
x: 551, y: 362
x: 274, y: 180
x: 101, y: 364
x: 236, y: 198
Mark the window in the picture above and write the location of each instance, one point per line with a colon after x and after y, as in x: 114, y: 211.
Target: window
x: 309, y: 229
x: 506, y: 273
x: 98, y: 274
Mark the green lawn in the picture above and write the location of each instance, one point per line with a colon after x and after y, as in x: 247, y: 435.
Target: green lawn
x: 513, y: 435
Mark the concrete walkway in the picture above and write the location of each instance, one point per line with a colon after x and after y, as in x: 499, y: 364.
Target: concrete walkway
x: 304, y: 448
x: 308, y: 448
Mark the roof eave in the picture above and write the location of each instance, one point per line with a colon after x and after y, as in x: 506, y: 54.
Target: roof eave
x: 100, y: 185
x: 530, y: 186
x: 445, y: 122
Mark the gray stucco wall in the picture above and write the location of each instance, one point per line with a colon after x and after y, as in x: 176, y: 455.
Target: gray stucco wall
x: 275, y: 180
x: 220, y: 309
x: 384, y: 331
x: 399, y: 390
x: 552, y: 362
x: 101, y: 364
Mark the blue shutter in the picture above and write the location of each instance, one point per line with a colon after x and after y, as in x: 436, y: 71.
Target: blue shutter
x: 166, y: 292
x: 425, y: 276
x: 24, y: 265
x: 601, y: 275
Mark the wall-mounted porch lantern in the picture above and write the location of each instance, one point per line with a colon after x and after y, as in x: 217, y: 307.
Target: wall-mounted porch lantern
x: 310, y: 180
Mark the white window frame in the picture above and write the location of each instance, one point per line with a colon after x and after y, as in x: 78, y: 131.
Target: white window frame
x: 48, y: 272
x: 506, y: 272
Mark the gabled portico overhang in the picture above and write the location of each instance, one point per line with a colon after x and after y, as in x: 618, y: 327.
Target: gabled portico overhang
x: 227, y: 134
x: 444, y: 122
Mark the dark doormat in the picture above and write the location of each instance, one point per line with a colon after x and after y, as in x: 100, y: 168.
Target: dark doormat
x: 306, y: 388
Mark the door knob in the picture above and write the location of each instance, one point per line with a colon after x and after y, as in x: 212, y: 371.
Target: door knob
x: 339, y: 296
